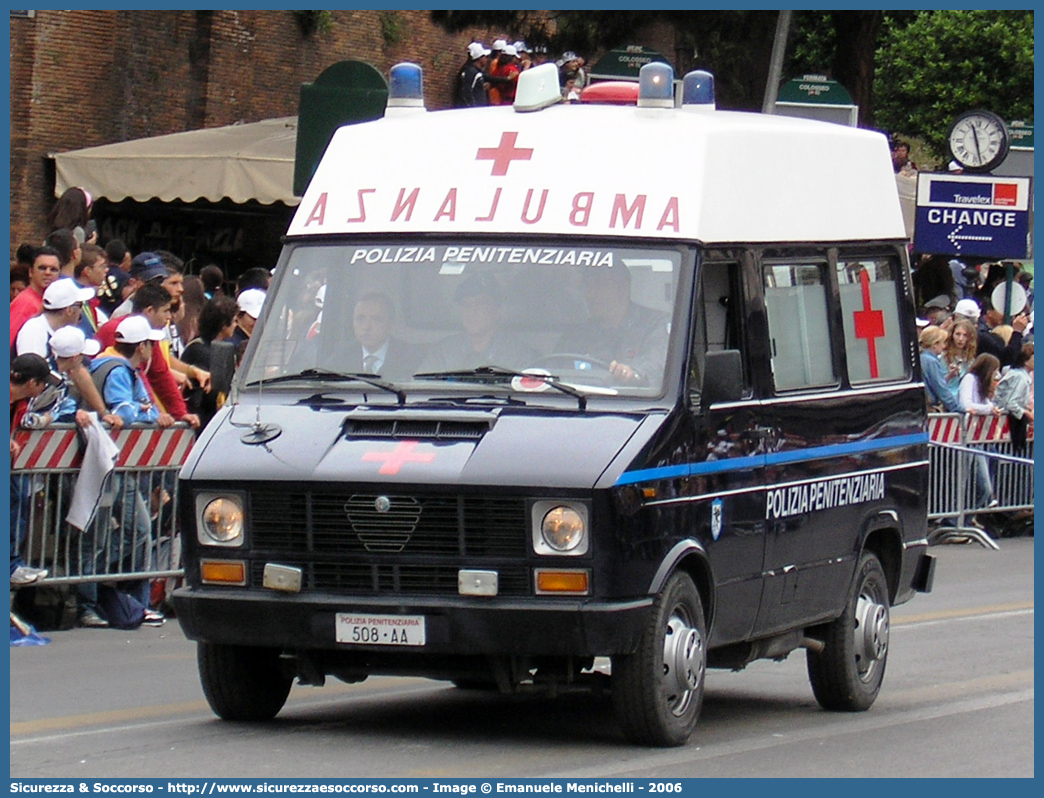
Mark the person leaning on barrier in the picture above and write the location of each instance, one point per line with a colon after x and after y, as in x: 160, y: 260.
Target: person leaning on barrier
x: 933, y: 343
x: 30, y: 378
x: 116, y: 374
x: 1014, y: 396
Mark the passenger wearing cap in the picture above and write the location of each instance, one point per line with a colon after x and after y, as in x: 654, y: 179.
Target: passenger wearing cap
x: 503, y: 77
x: 250, y: 303
x: 152, y: 301
x: 472, y: 90
x: 62, y: 305
x: 483, y: 342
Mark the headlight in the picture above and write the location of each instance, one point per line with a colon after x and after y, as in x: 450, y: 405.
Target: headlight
x: 560, y: 528
x: 221, y: 522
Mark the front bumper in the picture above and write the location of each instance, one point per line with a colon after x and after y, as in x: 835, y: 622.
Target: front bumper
x: 524, y: 627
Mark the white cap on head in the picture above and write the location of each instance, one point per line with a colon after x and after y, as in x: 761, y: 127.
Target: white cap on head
x: 969, y: 308
x: 70, y: 341
x: 135, y: 330
x: 65, y: 293
x: 510, y: 50
x: 476, y: 50
x: 499, y: 44
x: 250, y: 302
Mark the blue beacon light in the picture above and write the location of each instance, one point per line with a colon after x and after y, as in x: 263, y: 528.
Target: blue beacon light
x: 698, y: 91
x: 406, y: 86
x: 656, y: 86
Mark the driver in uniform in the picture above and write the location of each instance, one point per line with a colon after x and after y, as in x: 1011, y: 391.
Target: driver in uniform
x: 629, y: 338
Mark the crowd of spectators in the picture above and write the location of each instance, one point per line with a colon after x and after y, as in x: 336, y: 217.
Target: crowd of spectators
x: 489, y: 75
x: 100, y: 335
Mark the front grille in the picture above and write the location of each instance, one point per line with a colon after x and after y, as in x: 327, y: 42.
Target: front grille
x: 372, y: 543
x: 348, y: 523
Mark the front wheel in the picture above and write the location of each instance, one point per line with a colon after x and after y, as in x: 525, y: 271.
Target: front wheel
x: 846, y: 675
x: 241, y: 682
x: 658, y: 690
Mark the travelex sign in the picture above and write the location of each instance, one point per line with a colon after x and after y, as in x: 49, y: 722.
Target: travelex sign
x: 972, y: 215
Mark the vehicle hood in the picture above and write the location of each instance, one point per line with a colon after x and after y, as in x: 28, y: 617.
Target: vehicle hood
x: 501, y: 446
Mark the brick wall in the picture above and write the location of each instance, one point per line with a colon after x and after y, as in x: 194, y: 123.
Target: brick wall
x: 86, y: 78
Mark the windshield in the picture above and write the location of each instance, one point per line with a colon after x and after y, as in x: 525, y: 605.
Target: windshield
x: 471, y: 316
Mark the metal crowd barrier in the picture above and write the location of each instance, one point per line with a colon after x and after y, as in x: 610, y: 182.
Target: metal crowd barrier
x: 960, y: 446
x: 133, y: 534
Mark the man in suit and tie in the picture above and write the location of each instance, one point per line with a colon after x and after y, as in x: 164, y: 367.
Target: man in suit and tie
x: 377, y: 352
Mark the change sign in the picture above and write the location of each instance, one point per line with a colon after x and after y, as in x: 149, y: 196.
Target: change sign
x: 980, y: 216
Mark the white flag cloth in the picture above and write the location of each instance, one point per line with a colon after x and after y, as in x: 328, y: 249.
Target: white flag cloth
x: 99, y: 460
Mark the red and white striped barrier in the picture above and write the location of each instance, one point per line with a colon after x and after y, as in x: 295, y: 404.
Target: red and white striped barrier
x: 946, y: 428
x: 59, y: 449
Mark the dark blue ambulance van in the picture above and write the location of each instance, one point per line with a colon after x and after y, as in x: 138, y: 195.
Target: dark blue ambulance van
x: 513, y: 406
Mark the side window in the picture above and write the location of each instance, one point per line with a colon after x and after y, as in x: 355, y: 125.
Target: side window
x: 799, y: 331
x: 719, y: 320
x: 870, y: 309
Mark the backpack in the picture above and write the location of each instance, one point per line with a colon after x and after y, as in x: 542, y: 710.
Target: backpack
x: 101, y: 374
x: 120, y: 609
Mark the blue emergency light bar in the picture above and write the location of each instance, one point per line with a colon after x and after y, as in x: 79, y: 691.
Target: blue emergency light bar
x: 406, y: 86
x: 698, y: 90
x: 656, y: 86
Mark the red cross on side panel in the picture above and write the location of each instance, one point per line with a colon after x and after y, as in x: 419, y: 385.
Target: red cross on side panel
x: 504, y: 154
x: 395, y: 459
x: 869, y: 324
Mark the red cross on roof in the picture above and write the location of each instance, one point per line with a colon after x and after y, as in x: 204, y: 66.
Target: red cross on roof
x: 395, y: 459
x: 504, y: 154
x: 869, y: 324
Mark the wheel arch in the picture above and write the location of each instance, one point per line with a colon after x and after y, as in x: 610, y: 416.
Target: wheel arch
x: 691, y: 557
x: 883, y: 537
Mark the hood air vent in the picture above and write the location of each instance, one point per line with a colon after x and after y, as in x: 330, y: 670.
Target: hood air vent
x: 417, y: 429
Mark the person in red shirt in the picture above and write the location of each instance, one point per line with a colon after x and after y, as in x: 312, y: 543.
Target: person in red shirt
x: 152, y: 301
x: 44, y: 271
x: 503, y: 78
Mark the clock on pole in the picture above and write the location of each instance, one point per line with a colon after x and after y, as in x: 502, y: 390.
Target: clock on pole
x: 979, y: 141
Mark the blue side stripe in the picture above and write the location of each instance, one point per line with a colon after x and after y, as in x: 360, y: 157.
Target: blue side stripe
x: 774, y: 458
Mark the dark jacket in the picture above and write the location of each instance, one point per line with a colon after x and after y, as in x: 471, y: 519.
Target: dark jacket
x: 472, y: 87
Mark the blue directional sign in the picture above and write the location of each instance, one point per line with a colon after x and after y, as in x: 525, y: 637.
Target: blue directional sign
x: 975, y: 215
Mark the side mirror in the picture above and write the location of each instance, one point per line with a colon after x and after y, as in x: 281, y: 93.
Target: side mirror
x: 722, y: 377
x: 222, y: 366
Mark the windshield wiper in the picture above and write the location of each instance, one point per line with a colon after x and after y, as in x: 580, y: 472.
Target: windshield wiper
x: 489, y: 373
x: 335, y: 376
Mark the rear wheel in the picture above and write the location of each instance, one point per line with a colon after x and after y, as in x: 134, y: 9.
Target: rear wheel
x: 241, y: 682
x: 658, y: 690
x: 847, y: 674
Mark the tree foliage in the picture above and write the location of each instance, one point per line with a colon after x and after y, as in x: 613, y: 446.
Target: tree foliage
x: 943, y: 63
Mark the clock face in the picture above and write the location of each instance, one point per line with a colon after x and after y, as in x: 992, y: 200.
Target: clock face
x: 979, y: 141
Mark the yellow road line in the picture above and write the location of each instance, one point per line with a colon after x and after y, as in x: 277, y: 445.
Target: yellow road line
x: 112, y: 716
x: 942, y: 615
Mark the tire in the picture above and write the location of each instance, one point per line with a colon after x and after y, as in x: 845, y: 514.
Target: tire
x: 658, y: 690
x: 242, y: 683
x: 846, y: 675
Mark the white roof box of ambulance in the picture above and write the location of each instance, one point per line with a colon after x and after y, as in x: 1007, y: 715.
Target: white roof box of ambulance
x: 649, y: 172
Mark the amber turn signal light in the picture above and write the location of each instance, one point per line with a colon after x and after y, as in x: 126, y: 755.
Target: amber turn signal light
x: 222, y: 572
x: 571, y: 582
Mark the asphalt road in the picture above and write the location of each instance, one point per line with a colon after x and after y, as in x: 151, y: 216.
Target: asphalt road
x: 957, y: 701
